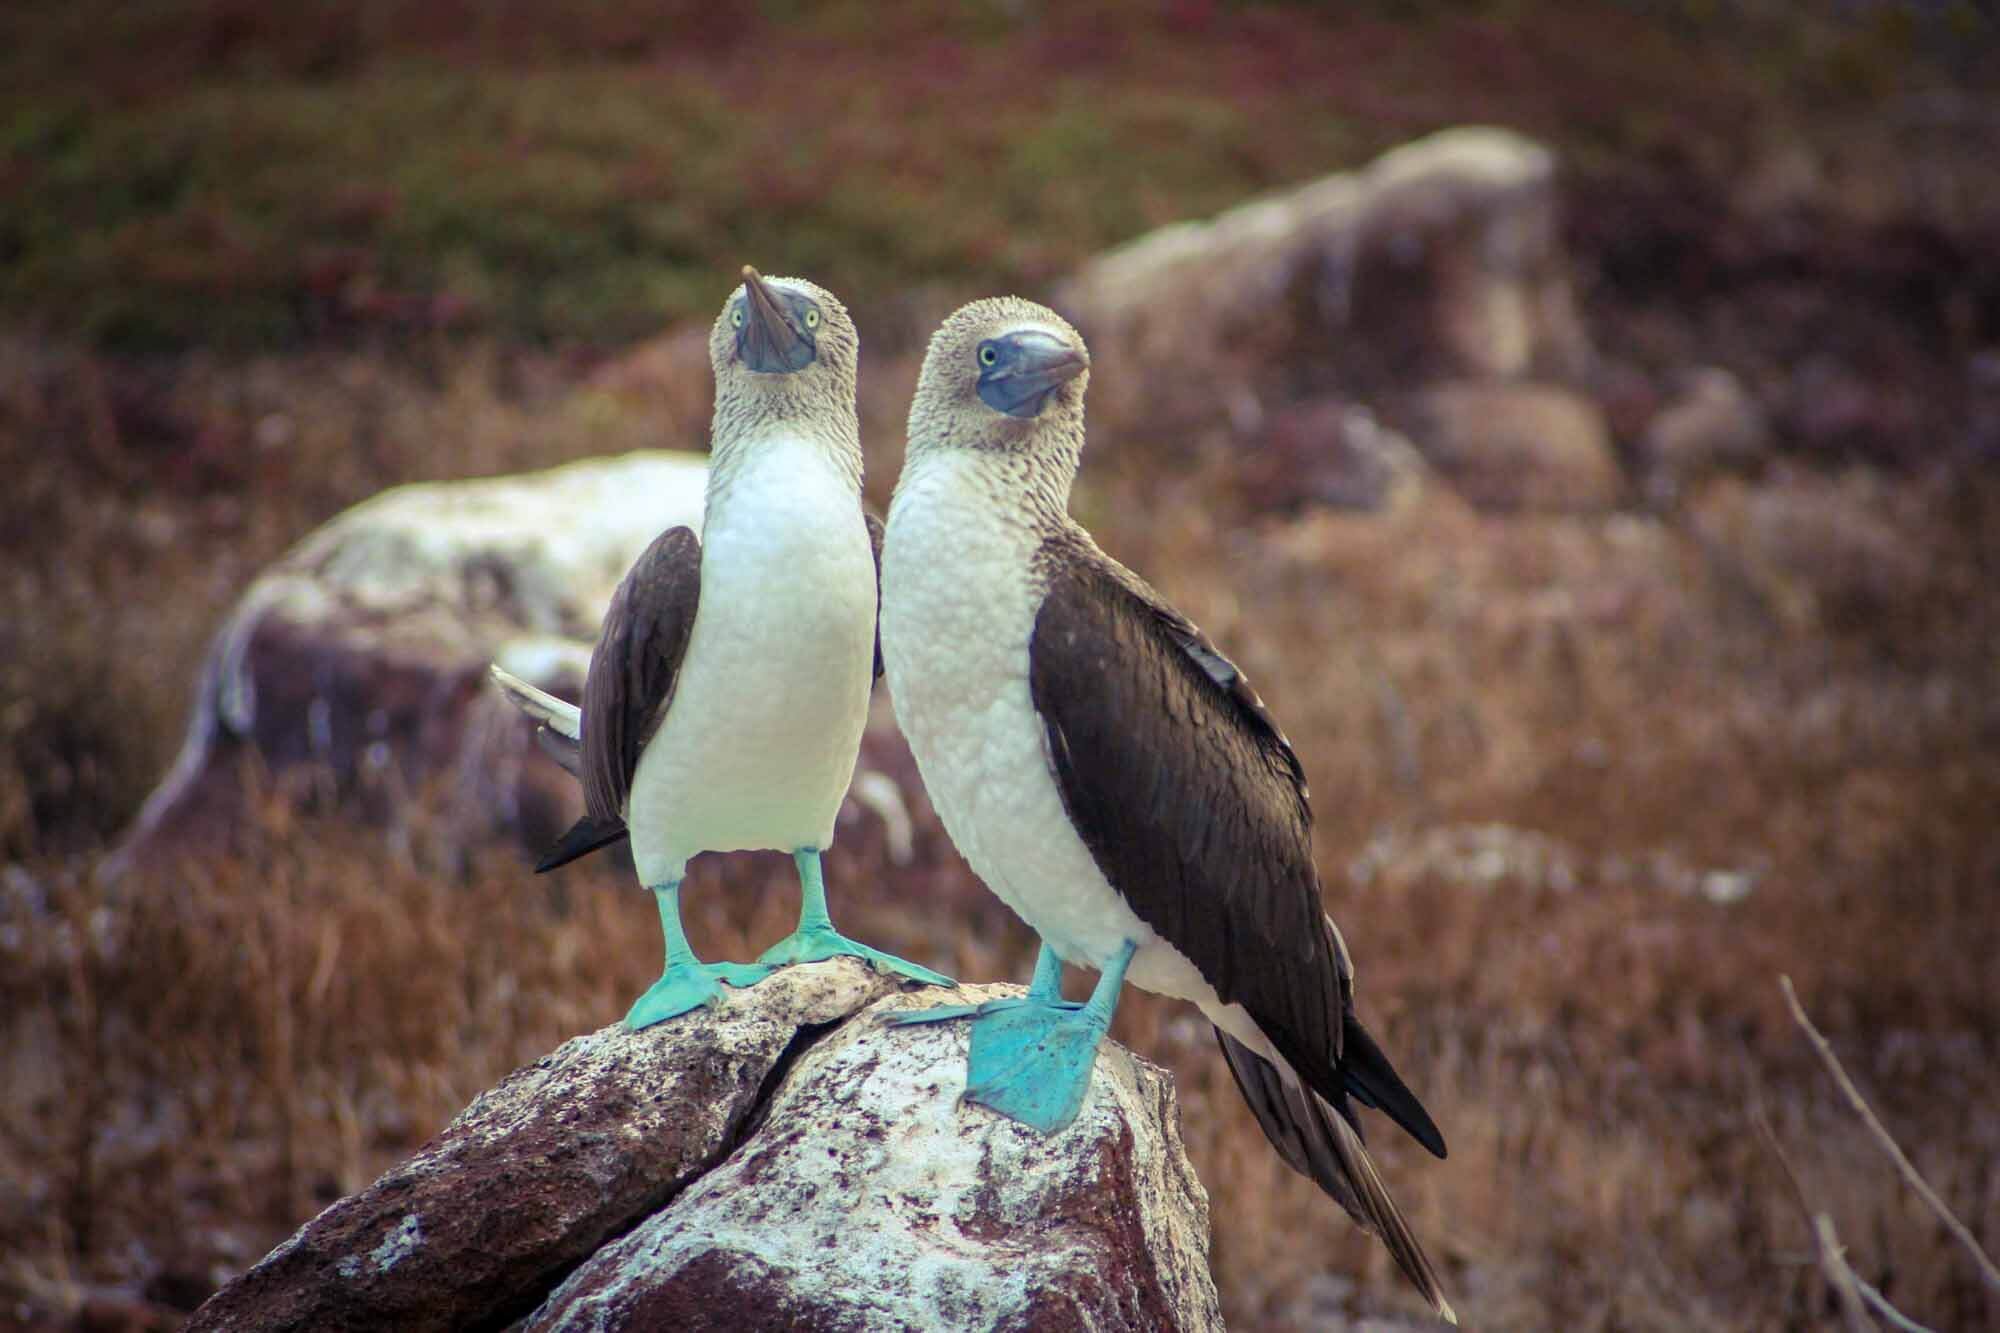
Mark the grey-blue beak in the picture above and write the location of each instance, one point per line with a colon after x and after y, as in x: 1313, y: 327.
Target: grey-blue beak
x: 1020, y: 371
x: 770, y: 341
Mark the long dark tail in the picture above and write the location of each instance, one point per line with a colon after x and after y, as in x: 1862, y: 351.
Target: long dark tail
x: 585, y: 836
x: 1317, y: 1141
x: 1368, y: 1077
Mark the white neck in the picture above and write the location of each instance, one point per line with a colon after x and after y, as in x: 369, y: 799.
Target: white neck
x: 823, y: 457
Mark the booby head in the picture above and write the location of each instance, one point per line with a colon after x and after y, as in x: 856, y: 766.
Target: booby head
x: 783, y: 346
x: 1002, y: 374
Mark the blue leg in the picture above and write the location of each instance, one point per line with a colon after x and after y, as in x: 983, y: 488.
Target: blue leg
x: 1032, y: 1056
x: 816, y: 938
x: 687, y: 982
x: 1047, y: 985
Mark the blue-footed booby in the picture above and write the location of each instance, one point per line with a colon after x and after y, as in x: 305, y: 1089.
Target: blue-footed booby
x: 1112, y: 777
x: 725, y: 701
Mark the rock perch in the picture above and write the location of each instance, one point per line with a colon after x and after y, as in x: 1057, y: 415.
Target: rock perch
x: 783, y: 1161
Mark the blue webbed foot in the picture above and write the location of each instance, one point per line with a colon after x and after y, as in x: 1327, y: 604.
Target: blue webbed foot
x: 811, y: 943
x: 1032, y: 1054
x: 1046, y: 988
x: 687, y: 982
x: 816, y: 939
x: 1031, y: 1060
x: 689, y: 985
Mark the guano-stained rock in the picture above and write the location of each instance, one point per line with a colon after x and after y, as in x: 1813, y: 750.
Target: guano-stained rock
x: 540, y: 1170
x: 873, y: 1199
x: 353, y: 672
x: 356, y: 665
x: 782, y: 1162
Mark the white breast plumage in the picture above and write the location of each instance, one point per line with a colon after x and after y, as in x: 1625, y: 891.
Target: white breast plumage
x: 760, y: 739
x: 958, y: 614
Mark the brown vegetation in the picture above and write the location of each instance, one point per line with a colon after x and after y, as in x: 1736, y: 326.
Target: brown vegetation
x: 1585, y: 784
x: 1780, y: 692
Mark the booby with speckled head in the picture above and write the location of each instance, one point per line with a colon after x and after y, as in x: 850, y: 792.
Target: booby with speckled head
x: 726, y: 698
x: 1112, y: 777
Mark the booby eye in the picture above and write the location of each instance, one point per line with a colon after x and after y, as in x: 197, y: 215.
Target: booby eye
x: 812, y: 318
x: 736, y: 317
x: 988, y: 356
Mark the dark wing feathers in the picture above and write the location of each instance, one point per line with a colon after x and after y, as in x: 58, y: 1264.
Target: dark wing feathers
x: 1149, y: 724
x: 585, y: 836
x: 1369, y: 1077
x: 632, y: 674
x: 633, y: 670
x: 1195, y: 807
x: 1227, y: 677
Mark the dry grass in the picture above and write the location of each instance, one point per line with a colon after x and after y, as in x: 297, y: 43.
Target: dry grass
x: 1595, y: 1033
x: 1742, y: 689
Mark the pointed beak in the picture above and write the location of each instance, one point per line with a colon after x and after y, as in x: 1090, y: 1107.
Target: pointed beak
x: 769, y: 342
x: 1032, y: 368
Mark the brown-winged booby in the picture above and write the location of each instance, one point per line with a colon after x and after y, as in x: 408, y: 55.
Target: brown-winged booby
x: 725, y: 700
x: 1112, y: 777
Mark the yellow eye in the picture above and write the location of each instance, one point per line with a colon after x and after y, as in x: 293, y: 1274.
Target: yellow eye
x: 736, y: 317
x: 987, y: 356
x: 812, y: 319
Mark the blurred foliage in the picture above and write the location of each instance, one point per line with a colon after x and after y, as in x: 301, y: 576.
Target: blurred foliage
x: 579, y: 197
x: 220, y: 172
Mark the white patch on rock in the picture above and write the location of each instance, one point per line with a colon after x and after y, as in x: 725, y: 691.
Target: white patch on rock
x: 434, y: 578
x: 399, y: 1244
x: 669, y: 1056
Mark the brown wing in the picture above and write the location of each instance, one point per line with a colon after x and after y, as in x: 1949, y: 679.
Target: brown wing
x: 635, y: 665
x: 1195, y: 808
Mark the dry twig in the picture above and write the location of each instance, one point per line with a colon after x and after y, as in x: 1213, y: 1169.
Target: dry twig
x: 1833, y: 1266
x: 1833, y: 1263
x: 1881, y: 1136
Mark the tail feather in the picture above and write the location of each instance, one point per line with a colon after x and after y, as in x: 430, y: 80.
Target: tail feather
x: 584, y: 837
x: 561, y: 732
x: 1317, y: 1140
x: 565, y: 719
x: 1371, y: 1080
x: 562, y: 749
x: 560, y: 737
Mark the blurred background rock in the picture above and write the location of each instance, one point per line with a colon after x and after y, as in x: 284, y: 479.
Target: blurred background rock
x: 1606, y: 502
